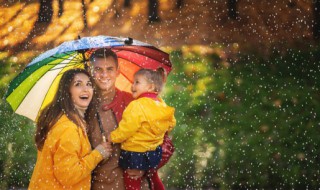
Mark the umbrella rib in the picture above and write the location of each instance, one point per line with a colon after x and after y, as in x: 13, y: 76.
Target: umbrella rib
x: 144, y: 56
x: 66, y: 53
x: 71, y: 61
x: 140, y: 65
x: 23, y: 99
x: 60, y: 73
x: 28, y: 71
x: 127, y: 78
x: 47, y: 92
x: 57, y: 58
x: 75, y: 63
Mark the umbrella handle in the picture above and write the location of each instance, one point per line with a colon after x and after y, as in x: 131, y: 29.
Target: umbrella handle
x: 103, y: 133
x: 83, y: 57
x: 104, y: 139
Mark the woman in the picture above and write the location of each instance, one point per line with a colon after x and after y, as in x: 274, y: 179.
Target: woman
x: 65, y: 159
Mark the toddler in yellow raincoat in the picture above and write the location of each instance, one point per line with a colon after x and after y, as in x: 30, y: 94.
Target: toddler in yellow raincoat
x: 143, y: 126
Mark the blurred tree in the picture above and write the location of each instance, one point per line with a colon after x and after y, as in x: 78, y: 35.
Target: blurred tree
x: 316, y: 12
x: 40, y: 26
x: 291, y: 4
x: 153, y: 11
x: 127, y: 3
x: 45, y: 11
x: 60, y: 8
x: 232, y: 9
x: 84, y: 13
x: 179, y: 4
x: 117, y: 8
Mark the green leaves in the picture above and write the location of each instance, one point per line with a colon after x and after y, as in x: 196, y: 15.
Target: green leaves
x: 254, y: 120
x: 18, y: 153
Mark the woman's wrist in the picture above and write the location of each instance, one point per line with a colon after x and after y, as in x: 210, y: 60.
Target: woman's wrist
x: 102, y: 151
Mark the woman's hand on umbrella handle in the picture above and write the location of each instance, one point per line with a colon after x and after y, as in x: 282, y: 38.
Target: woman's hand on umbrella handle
x: 105, y: 149
x: 108, y: 147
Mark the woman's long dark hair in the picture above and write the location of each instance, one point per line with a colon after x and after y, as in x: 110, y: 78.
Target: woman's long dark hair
x: 61, y: 104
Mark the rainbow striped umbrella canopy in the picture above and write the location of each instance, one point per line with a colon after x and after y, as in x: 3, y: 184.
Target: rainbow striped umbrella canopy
x: 36, y: 85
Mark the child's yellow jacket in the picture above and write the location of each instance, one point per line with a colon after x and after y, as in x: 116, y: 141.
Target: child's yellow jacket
x: 66, y: 159
x: 143, y: 125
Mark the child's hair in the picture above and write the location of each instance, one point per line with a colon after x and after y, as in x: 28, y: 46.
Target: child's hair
x: 157, y: 77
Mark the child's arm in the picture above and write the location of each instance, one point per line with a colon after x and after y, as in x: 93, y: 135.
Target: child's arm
x: 130, y: 123
x: 173, y: 120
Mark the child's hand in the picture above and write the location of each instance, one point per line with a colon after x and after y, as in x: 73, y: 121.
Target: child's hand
x: 134, y: 173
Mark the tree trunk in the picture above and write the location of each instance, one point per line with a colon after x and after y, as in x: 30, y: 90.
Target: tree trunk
x: 232, y: 9
x: 45, y: 11
x: 60, y: 8
x: 316, y: 12
x: 127, y: 3
x: 179, y: 4
x: 84, y: 13
x: 153, y: 11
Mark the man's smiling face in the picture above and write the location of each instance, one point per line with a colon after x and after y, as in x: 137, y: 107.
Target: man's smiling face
x: 105, y: 72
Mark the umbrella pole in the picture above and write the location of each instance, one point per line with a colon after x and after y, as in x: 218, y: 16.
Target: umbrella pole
x: 83, y: 57
x: 84, y: 61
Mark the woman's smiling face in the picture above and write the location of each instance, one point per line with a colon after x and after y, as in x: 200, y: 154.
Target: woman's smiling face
x: 81, y: 90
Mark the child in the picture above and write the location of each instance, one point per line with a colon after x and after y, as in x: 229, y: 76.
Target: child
x: 142, y: 128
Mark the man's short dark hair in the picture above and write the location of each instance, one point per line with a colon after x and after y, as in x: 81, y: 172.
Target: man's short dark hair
x: 104, y: 53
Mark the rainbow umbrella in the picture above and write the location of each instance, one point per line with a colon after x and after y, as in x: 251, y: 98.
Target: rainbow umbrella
x: 36, y: 85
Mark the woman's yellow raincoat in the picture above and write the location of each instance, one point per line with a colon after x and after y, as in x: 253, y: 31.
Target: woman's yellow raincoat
x: 66, y: 159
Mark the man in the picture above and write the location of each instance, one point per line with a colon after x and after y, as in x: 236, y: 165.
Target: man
x: 112, y: 102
